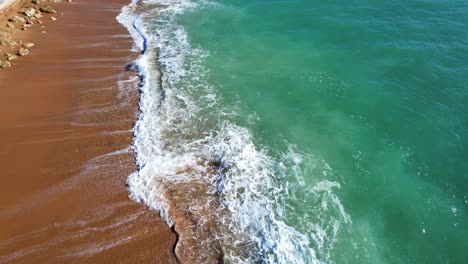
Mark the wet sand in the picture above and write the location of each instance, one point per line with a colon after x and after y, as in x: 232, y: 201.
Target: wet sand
x: 66, y: 114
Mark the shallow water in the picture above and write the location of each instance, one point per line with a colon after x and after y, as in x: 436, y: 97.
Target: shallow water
x: 312, y: 132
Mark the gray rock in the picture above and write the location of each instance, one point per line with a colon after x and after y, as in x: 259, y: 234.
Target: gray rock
x: 47, y: 9
x: 18, y: 19
x: 29, y: 12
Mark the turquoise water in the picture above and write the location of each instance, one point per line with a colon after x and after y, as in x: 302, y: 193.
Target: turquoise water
x: 361, y: 108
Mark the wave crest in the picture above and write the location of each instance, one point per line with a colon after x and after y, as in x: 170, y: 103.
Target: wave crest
x: 228, y: 197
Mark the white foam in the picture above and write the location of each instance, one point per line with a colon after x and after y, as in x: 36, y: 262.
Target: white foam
x: 182, y: 121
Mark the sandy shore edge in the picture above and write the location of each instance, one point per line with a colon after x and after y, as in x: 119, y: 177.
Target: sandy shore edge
x: 69, y: 118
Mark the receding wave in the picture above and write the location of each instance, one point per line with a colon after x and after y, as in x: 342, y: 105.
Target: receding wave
x: 227, y: 196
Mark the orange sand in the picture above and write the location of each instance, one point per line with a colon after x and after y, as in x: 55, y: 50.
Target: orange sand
x: 65, y: 132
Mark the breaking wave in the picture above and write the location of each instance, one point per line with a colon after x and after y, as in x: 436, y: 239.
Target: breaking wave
x: 227, y: 196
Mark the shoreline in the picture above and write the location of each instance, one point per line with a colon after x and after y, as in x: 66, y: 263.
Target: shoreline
x: 9, y: 7
x: 75, y: 106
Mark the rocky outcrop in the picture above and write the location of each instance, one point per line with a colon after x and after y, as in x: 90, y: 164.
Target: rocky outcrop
x: 20, y: 19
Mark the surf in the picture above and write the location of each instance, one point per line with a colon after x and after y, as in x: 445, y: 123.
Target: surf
x: 207, y: 176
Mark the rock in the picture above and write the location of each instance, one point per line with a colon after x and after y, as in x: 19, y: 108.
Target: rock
x: 10, y: 25
x: 55, y: 1
x: 39, y: 22
x: 47, y: 9
x: 37, y: 15
x: 28, y: 45
x: 18, y: 19
x: 10, y: 56
x: 22, y: 52
x: 53, y: 18
x: 29, y: 12
x: 5, y: 64
x: 36, y: 2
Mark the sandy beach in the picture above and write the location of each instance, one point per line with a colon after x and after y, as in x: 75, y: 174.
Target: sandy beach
x: 66, y: 116
x: 9, y: 7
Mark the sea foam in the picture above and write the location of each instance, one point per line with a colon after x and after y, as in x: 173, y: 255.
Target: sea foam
x: 196, y: 163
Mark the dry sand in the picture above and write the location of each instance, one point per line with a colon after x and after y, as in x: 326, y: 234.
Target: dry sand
x: 8, y: 7
x: 65, y: 132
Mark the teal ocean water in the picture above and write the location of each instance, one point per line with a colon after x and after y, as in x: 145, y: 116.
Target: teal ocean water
x: 338, y: 130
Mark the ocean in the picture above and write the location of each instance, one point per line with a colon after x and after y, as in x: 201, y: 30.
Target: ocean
x: 304, y: 131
